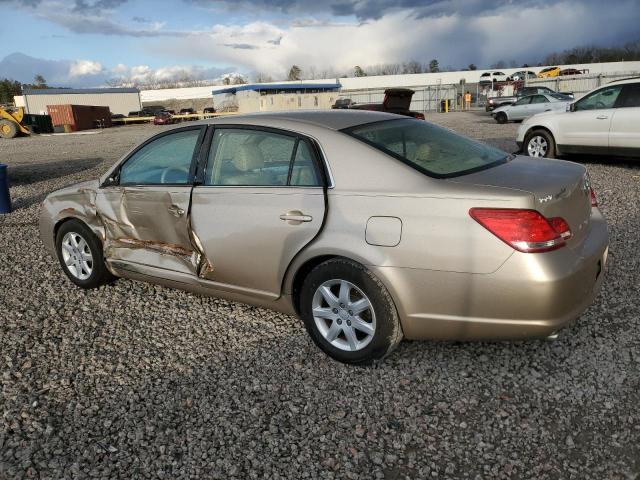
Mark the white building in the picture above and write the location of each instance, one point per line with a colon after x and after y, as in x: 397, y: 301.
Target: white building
x: 119, y: 100
x: 273, y: 97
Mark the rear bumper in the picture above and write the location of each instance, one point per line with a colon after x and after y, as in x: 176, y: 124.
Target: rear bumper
x: 529, y: 296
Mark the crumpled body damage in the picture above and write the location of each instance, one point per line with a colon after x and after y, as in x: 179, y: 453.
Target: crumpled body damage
x: 129, y: 222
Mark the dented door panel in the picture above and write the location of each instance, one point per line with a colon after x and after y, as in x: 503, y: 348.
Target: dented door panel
x: 148, y: 225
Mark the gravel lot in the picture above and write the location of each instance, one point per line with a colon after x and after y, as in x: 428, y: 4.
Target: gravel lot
x: 139, y: 381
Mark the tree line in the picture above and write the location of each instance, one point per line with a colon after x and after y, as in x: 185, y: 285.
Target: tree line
x: 10, y: 88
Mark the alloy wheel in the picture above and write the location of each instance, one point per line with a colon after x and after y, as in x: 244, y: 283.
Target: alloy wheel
x: 77, y: 255
x: 343, y: 315
x: 537, y: 146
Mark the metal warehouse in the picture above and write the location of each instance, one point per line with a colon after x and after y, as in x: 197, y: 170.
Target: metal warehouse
x: 119, y: 100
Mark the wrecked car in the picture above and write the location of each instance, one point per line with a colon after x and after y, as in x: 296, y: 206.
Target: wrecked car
x: 369, y: 226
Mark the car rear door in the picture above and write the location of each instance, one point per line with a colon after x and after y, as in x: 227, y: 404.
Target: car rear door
x: 586, y: 127
x: 624, y: 135
x: 145, y: 205
x: 260, y: 199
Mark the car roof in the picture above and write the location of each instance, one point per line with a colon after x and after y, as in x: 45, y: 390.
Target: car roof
x: 330, y: 119
x: 625, y: 80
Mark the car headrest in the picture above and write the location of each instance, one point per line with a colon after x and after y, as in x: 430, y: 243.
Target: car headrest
x: 423, y: 153
x: 248, y: 157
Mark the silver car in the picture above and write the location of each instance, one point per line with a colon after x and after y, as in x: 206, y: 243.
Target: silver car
x: 369, y: 226
x: 530, y: 105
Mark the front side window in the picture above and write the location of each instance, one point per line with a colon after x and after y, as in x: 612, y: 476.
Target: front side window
x: 428, y: 148
x: 524, y: 101
x: 539, y: 99
x: 259, y: 158
x: 600, y: 99
x: 166, y: 160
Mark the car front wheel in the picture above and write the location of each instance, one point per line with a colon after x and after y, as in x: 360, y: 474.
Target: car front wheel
x: 501, y: 117
x: 540, y: 143
x: 349, y: 313
x: 80, y: 255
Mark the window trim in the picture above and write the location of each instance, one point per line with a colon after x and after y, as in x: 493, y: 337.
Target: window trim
x: 319, y: 162
x: 349, y: 131
x: 115, y: 172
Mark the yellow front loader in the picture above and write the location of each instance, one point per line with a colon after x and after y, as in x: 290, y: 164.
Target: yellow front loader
x: 11, y: 123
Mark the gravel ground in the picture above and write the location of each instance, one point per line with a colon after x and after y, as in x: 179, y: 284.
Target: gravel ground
x: 139, y: 381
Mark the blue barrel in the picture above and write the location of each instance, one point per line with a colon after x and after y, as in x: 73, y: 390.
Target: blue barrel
x: 5, y: 198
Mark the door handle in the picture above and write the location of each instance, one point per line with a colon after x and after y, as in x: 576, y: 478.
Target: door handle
x: 295, y: 217
x: 602, y: 117
x: 176, y: 211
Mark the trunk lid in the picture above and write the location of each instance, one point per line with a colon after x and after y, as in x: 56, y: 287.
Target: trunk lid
x: 397, y: 99
x: 559, y: 188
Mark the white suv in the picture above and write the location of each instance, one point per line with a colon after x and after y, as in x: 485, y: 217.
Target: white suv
x: 604, y: 121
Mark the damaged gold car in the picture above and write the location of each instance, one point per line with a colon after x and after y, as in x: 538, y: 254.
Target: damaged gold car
x: 367, y: 225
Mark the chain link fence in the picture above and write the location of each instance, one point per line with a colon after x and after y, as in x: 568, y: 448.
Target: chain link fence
x: 578, y: 84
x: 428, y: 98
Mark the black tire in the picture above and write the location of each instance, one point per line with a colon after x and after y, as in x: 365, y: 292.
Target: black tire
x: 501, y: 117
x: 8, y: 129
x: 550, y: 151
x: 388, y: 332
x: 99, y: 274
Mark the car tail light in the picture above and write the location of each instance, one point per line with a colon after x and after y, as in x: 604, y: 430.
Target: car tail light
x: 561, y: 226
x: 524, y: 230
x: 594, y: 199
x: 420, y: 116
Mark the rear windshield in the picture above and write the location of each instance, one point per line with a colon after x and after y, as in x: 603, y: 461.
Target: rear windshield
x: 428, y: 148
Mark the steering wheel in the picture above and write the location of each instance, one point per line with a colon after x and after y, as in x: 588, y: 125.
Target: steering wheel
x: 600, y: 105
x: 163, y: 177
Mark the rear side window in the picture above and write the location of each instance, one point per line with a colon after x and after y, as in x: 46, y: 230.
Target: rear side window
x: 428, y: 148
x: 303, y: 171
x: 246, y: 157
x: 630, y: 96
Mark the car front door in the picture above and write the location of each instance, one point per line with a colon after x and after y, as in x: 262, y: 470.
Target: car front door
x: 144, y: 206
x: 539, y: 103
x: 624, y: 136
x: 586, y: 127
x: 520, y: 109
x: 259, y: 201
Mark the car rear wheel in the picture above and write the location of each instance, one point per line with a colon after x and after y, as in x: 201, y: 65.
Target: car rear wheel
x: 80, y: 255
x: 540, y: 143
x: 349, y: 313
x: 501, y: 117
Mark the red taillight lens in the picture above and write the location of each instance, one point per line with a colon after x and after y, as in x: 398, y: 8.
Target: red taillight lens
x: 420, y: 116
x: 560, y: 225
x: 594, y: 200
x: 525, y: 230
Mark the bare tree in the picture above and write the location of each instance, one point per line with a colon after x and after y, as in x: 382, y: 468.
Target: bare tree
x: 412, y: 66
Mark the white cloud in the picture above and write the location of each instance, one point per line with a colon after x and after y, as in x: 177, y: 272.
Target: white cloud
x: 522, y: 32
x: 119, y: 68
x: 81, y: 68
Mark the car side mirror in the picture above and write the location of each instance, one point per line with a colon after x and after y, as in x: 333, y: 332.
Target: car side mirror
x: 111, y: 181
